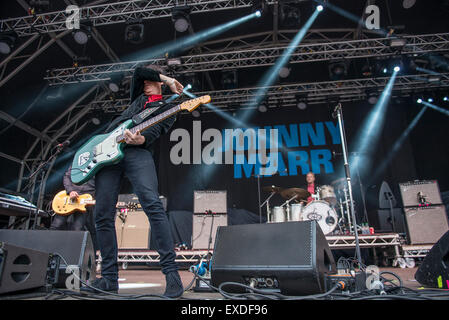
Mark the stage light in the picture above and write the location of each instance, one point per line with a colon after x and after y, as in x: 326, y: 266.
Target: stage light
x: 407, y: 4
x: 270, y: 76
x: 385, y: 70
x: 397, y: 42
x: 134, y: 31
x: 7, y: 41
x: 320, y: 8
x: 196, y: 114
x: 284, y: 72
x: 95, y: 121
x: 439, y: 109
x: 430, y: 100
x: 83, y: 34
x: 258, y: 14
x: 188, y: 87
x: 259, y: 7
x: 419, y: 100
x: 338, y: 70
x: 397, y: 69
x: 369, y: 133
x: 262, y: 108
x: 445, y: 99
x: 301, y: 105
x: 181, y: 18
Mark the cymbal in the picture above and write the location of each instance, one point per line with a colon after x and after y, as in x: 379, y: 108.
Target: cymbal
x: 291, y: 192
x: 272, y: 189
x: 339, y: 183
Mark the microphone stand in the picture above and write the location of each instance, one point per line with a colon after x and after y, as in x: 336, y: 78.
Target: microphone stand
x: 338, y: 112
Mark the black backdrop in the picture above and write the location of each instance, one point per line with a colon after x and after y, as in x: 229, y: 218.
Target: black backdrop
x: 424, y: 155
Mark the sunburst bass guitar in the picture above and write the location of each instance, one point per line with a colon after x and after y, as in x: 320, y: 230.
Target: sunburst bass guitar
x: 107, y: 149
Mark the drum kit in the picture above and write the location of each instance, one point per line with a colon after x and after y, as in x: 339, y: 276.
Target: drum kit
x: 330, y: 206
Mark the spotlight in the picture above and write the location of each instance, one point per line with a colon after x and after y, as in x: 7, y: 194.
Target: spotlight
x: 229, y: 79
x: 82, y: 35
x: 262, y: 108
x: 385, y: 70
x: 319, y: 8
x: 338, y: 70
x: 396, y: 69
x: 284, y: 72
x: 430, y: 100
x: 419, y: 100
x: 134, y: 31
x: 259, y: 7
x: 188, y: 87
x: 301, y: 105
x: 398, y: 42
x: 95, y: 121
x: 196, y: 113
x: 113, y: 87
x: 289, y: 15
x: 7, y: 41
x: 407, y: 4
x: 181, y: 19
x: 446, y: 99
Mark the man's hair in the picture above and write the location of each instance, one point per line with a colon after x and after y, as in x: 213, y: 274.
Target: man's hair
x: 154, y: 67
x: 310, y: 172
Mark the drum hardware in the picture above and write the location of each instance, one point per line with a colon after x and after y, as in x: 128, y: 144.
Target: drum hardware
x: 327, y: 194
x: 273, y: 189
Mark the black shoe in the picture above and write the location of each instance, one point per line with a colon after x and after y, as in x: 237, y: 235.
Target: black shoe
x: 102, y: 284
x: 173, y: 287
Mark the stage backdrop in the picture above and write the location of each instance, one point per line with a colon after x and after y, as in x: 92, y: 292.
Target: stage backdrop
x: 197, y: 153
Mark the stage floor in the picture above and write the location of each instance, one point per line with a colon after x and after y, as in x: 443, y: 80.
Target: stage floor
x: 139, y: 280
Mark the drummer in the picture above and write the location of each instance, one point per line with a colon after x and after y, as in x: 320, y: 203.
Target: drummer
x: 311, y: 187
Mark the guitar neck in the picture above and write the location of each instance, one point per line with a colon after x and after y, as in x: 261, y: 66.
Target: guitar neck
x: 151, y: 122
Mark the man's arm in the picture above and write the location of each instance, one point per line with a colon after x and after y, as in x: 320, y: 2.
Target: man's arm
x: 67, y: 181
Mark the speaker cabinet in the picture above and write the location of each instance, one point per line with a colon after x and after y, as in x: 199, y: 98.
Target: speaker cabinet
x: 21, y: 268
x: 133, y: 230
x: 434, y: 269
x: 384, y: 220
x: 426, y: 224
x: 201, y: 229
x: 289, y: 257
x: 75, y: 246
x: 411, y: 191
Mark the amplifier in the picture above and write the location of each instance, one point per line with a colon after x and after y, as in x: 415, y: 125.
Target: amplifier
x: 132, y: 229
x: 206, y: 200
x: 201, y: 229
x: 416, y: 193
x: 426, y: 224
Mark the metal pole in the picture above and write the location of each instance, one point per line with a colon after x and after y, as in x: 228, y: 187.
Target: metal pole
x: 339, y: 113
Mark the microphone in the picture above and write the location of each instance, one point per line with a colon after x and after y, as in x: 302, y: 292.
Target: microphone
x: 336, y: 110
x: 63, y: 145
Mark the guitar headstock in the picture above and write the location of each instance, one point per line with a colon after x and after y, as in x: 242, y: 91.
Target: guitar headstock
x: 192, y: 104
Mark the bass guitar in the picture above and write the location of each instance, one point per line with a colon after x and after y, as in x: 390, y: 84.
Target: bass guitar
x: 107, y: 149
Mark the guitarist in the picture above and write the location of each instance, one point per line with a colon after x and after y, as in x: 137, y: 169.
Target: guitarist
x: 138, y: 166
x: 77, y: 220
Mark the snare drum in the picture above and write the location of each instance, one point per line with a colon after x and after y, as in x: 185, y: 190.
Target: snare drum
x: 296, y: 211
x: 278, y: 214
x: 327, y: 194
x: 323, y: 213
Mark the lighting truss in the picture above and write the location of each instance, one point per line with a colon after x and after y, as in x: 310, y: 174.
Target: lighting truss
x: 261, y: 56
x: 285, y: 95
x: 112, y: 13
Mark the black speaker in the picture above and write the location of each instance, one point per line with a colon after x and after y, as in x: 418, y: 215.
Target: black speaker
x: 21, y: 268
x: 74, y: 246
x: 290, y: 257
x: 434, y: 269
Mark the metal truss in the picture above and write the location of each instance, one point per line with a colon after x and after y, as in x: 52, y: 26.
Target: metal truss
x: 126, y: 256
x: 416, y: 251
x: 261, y: 56
x: 365, y: 241
x: 112, y: 13
x: 288, y: 94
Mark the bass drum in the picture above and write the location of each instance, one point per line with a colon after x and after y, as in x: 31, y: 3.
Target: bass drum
x: 324, y: 214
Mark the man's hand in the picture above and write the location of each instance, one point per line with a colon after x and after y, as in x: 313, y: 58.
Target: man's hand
x: 73, y: 195
x: 173, y: 84
x: 135, y: 139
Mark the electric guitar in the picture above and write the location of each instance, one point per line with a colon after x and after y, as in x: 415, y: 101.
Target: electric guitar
x: 62, y: 204
x: 107, y: 149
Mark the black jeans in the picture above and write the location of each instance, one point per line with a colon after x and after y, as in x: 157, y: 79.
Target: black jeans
x: 138, y: 166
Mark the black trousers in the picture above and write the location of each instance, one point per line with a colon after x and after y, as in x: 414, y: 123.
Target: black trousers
x: 138, y: 166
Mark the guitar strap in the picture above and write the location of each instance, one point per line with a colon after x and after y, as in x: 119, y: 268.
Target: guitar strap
x: 138, y: 118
